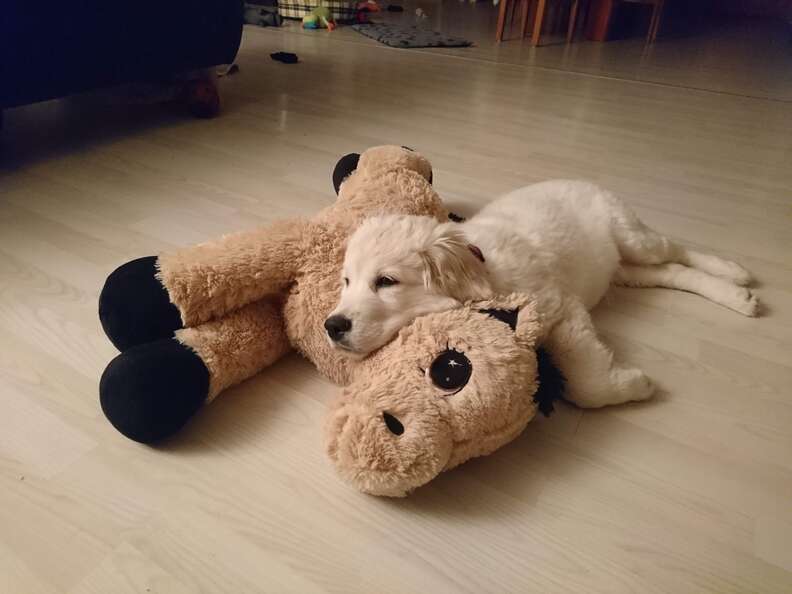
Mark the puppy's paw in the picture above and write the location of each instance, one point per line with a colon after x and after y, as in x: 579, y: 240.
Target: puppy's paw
x: 631, y: 384
x: 736, y: 274
x: 745, y: 302
x: 622, y: 385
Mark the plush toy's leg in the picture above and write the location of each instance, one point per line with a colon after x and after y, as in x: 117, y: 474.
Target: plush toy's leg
x: 134, y: 307
x: 593, y: 379
x: 150, y: 391
x: 239, y: 345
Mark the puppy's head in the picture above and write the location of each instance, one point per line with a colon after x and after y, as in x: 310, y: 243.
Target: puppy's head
x: 397, y: 268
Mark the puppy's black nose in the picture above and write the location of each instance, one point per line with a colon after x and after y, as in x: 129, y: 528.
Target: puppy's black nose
x: 337, y: 326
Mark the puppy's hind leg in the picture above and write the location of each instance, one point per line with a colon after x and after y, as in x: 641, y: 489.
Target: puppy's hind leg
x: 593, y: 380
x: 638, y: 244
x: 677, y: 276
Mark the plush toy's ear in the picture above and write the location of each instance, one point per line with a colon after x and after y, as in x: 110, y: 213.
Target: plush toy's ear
x: 552, y: 382
x: 344, y: 168
x: 507, y: 316
x: 519, y: 312
x: 431, y: 173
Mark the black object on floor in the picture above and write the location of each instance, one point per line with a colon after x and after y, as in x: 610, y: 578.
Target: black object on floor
x: 395, y: 8
x: 285, y: 57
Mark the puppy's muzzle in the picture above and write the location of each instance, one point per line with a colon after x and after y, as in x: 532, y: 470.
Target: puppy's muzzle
x: 337, y: 326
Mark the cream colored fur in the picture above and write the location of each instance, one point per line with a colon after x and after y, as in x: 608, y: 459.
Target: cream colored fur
x: 563, y: 241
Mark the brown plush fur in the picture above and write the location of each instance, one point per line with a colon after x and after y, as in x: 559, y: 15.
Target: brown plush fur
x: 255, y: 331
x: 441, y: 429
x: 247, y: 298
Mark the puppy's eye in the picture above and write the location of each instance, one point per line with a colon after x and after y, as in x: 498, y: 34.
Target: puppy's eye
x: 450, y: 370
x: 385, y: 281
x: 346, y: 282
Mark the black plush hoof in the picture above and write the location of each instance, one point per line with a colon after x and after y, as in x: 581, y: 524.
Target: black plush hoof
x: 134, y: 307
x: 150, y: 391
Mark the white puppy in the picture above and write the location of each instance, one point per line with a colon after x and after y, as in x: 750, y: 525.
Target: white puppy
x: 563, y: 241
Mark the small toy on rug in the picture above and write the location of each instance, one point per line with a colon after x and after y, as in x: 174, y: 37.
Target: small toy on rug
x: 320, y: 17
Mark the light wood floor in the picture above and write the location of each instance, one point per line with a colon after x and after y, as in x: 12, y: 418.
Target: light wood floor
x: 691, y: 492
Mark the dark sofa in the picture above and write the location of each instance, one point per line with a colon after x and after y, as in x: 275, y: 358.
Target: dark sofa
x: 51, y: 49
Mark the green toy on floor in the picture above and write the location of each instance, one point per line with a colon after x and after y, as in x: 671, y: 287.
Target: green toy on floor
x: 319, y: 18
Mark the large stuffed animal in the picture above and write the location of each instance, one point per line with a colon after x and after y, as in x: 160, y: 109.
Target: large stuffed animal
x: 450, y: 386
x: 193, y: 322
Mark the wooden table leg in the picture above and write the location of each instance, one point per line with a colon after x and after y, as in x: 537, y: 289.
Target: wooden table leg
x: 655, y: 24
x: 572, y: 21
x: 537, y: 30
x: 501, y: 20
x: 598, y: 20
x: 526, y: 5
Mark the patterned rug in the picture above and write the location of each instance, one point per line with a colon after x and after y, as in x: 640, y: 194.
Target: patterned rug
x: 408, y: 36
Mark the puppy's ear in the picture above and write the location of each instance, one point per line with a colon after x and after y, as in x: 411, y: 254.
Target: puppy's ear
x: 344, y: 168
x: 453, y: 267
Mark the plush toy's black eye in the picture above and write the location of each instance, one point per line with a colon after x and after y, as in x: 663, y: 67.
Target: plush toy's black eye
x: 451, y: 370
x: 385, y: 281
x: 346, y: 282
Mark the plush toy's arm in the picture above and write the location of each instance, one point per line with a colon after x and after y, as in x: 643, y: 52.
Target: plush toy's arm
x: 210, y: 279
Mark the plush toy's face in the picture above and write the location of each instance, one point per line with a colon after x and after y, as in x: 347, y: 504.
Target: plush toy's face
x: 451, y: 386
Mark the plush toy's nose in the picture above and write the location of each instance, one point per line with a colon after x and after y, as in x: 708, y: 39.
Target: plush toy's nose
x: 393, y: 424
x: 387, y: 452
x: 337, y: 326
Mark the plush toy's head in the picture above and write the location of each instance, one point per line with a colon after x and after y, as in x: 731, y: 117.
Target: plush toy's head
x: 379, y: 161
x: 382, y: 180
x: 451, y: 386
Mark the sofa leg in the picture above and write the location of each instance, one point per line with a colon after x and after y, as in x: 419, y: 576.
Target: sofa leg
x: 202, y: 97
